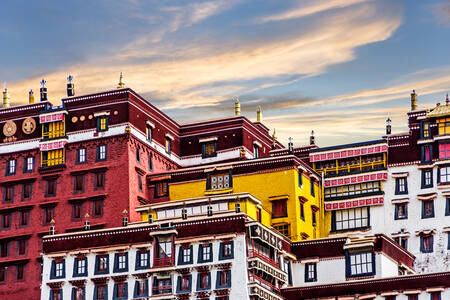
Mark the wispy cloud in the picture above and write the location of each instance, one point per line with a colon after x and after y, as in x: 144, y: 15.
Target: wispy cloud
x: 441, y: 12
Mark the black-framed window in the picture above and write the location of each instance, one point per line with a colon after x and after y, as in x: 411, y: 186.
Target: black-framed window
x: 447, y: 206
x: 312, y: 187
x: 427, y: 209
x: 140, y: 182
x: 352, y: 218
x: 50, y: 187
x: 77, y: 210
x: 97, y: 207
x: 302, y: 210
x: 3, y: 274
x: 101, y: 153
x: 120, y: 262
x: 426, y: 154
x: 4, y: 248
x: 185, y: 255
x: 150, y: 162
x: 283, y: 228
x: 360, y: 263
x: 142, y: 259
x: 310, y: 272
x: 8, y: 194
x: 28, y: 164
x: 101, y: 264
x: 6, y: 221
x: 141, y: 288
x: 49, y: 214
x: 148, y: 132
x: 78, y: 293
x: 162, y: 285
x: 11, y: 167
x: 56, y: 294
x: 435, y: 295
x: 81, y: 156
x: 203, y: 281
x: 101, y: 292
x: 448, y: 241
x: 426, y: 243
x: 78, y: 183
x: 138, y: 155
x: 223, y: 279
x: 120, y: 291
x: 444, y: 175
x: 24, y: 218
x: 300, y: 179
x: 425, y: 132
x: 402, y: 241
x: 80, y: 267
x: 226, y: 250
x: 427, y: 179
x: 184, y: 284
x: 279, y: 208
x: 58, y: 269
x: 255, y: 151
x: 27, y: 191
x: 102, y: 123
x: 401, y: 186
x: 205, y: 253
x: 22, y: 246
x: 20, y: 271
x: 168, y: 146
x: 209, y: 149
x: 161, y: 189
x: 99, y: 180
x: 401, y: 211
x: 217, y: 181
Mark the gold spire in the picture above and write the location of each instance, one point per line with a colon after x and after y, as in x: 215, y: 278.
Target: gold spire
x: 274, y: 139
x: 259, y: 115
x: 31, y: 97
x: 237, y: 107
x: 121, y: 84
x: 6, y: 102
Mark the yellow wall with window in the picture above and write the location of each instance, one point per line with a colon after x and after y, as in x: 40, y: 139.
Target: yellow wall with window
x: 266, y: 187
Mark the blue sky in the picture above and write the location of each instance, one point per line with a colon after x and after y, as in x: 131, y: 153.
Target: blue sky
x: 338, y: 67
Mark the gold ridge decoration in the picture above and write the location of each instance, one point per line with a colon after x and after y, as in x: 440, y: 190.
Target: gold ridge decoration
x: 28, y: 125
x: 10, y: 128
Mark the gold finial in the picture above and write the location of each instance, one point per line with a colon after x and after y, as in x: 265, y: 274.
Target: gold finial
x: 237, y: 107
x: 121, y: 84
x: 446, y: 100
x: 274, y: 139
x: 31, y: 97
x: 413, y: 100
x: 259, y: 115
x: 6, y: 102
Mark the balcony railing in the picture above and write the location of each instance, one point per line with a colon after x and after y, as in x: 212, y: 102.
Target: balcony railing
x: 163, y: 261
x: 161, y: 290
x: 262, y: 256
x: 353, y: 168
x: 256, y: 279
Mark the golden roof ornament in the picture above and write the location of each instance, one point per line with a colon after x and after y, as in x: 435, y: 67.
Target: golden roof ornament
x: 259, y: 114
x: 6, y: 102
x: 121, y: 84
x: 237, y: 107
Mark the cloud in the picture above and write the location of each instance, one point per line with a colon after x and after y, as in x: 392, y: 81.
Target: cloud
x: 441, y: 12
x: 309, y: 8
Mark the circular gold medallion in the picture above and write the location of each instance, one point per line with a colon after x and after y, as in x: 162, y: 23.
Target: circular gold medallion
x: 82, y: 118
x: 90, y: 117
x: 116, y: 112
x: 28, y: 125
x: 9, y: 129
x: 74, y: 119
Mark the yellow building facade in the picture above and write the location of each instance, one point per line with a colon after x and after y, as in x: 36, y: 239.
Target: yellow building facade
x: 283, y: 192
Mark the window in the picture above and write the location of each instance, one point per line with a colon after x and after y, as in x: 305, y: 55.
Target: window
x: 121, y: 262
x: 444, y: 175
x: 141, y: 288
x: 302, y: 211
x: 209, y: 149
x: 78, y: 183
x: 205, y: 253
x: 425, y: 130
x: 150, y: 163
x: 99, y: 180
x: 312, y: 187
x: 401, y: 186
x: 26, y: 191
x: 140, y: 184
x: 20, y: 269
x: 49, y: 214
x: 97, y: 208
x: 142, y: 259
x: 4, y: 248
x: 121, y: 290
x: 168, y: 145
x: 279, y: 208
x: 427, y: 209
x: 435, y: 296
x: 447, y: 206
x: 80, y: 267
x: 360, y: 264
x: 219, y: 181
x: 102, y: 123
x: 6, y: 221
x: 310, y: 272
x: 187, y: 253
x: 162, y: 286
x: 101, y: 264
x: 204, y: 281
x: 353, y: 190
x: 184, y: 283
x: 76, y: 210
x: 21, y: 246
x: 353, y: 218
x: 443, y: 125
x: 11, y: 167
x: 101, y: 153
x: 162, y: 189
x: 282, y: 228
x: 8, y: 194
x: 300, y: 179
x: 56, y: 294
x: 413, y: 297
x: 24, y: 218
x: 314, y: 220
x: 50, y: 187
x: 223, y: 279
x: 226, y: 250
x: 101, y: 292
x: 52, y: 158
x: 148, y: 132
x: 28, y: 165
x: 78, y: 293
x: 81, y: 156
x: 444, y: 151
x: 426, y: 243
x: 427, y: 179
x: 58, y: 269
x: 2, y: 274
x: 426, y: 154
x: 255, y: 151
x: 401, y: 211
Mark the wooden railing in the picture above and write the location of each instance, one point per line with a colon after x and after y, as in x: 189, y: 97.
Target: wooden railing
x: 163, y: 261
x: 163, y: 289
x: 352, y: 168
x: 256, y: 279
x: 263, y: 256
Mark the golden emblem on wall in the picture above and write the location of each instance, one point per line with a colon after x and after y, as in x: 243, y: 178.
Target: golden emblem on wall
x: 9, y: 129
x: 29, y: 125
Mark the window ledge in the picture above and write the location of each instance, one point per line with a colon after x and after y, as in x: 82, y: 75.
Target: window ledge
x: 219, y: 191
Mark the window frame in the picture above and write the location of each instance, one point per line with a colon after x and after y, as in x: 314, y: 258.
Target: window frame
x: 426, y: 153
x: 283, y: 210
x: 102, y: 126
x: 95, y: 204
x: 11, y: 167
x: 30, y: 185
x: 26, y: 164
x: 76, y: 267
x: 210, y: 178
x: 161, y: 189
x: 397, y: 216
x: 348, y: 263
x: 48, y: 184
x: 334, y: 219
x: 424, y: 209
x: 425, y: 178
x: 423, y: 249
x: 401, y: 189
x: 309, y: 272
x: 8, y: 193
x: 80, y: 155
x: 101, y: 153
x: 101, y: 264
x: 205, y: 145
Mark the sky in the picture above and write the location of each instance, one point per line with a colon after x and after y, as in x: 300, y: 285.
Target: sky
x: 338, y: 67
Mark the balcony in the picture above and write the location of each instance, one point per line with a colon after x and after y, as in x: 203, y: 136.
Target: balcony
x: 163, y: 262
x: 162, y: 290
x: 354, y: 168
x: 255, y: 253
x: 263, y: 283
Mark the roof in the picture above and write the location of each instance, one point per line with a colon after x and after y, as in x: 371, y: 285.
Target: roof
x: 349, y: 145
x: 439, y: 111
